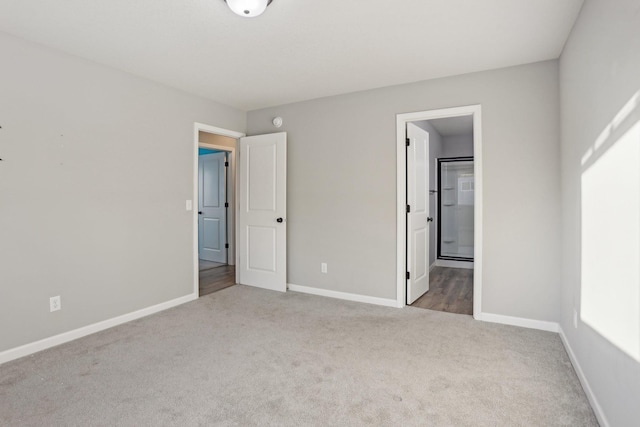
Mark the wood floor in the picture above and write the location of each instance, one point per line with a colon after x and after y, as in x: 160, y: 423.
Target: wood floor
x: 450, y: 290
x: 217, y: 278
x: 206, y: 265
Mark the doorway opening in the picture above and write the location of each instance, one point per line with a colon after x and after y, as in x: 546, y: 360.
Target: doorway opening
x: 439, y: 208
x: 215, y: 208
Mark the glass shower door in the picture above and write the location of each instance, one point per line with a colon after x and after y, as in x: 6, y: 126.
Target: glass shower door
x: 455, y: 208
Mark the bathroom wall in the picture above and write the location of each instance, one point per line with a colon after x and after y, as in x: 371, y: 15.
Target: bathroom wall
x: 457, y: 146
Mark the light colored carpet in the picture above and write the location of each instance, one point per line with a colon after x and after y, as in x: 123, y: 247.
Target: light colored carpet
x: 244, y: 357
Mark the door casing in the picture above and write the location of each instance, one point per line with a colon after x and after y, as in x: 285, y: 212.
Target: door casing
x: 401, y: 197
x: 198, y: 127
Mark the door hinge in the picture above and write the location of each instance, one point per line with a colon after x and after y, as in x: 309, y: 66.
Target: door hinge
x: 408, y: 208
x: 226, y: 245
x: 226, y: 205
x: 226, y: 164
x: 408, y: 275
x: 408, y: 141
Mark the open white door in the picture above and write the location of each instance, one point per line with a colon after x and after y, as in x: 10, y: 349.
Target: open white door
x: 212, y: 212
x: 263, y: 208
x: 418, y: 215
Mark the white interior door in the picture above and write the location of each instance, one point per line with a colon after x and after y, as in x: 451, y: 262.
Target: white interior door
x: 263, y: 208
x: 418, y: 217
x: 212, y: 215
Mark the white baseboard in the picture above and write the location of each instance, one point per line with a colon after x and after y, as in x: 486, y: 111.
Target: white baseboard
x: 343, y: 295
x: 597, y: 409
x: 454, y: 264
x: 432, y: 266
x: 43, y: 344
x: 519, y: 321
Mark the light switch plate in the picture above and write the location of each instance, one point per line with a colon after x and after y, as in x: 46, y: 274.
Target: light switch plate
x: 189, y: 205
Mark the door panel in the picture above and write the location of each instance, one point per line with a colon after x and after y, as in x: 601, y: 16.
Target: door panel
x: 417, y: 223
x: 262, y: 177
x: 263, y: 238
x: 212, y: 216
x: 211, y: 233
x: 262, y: 248
x: 420, y: 245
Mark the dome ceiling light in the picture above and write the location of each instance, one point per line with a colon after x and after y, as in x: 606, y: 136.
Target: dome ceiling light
x: 248, y: 8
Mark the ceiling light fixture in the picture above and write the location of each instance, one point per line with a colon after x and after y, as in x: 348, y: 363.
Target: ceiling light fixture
x: 248, y: 8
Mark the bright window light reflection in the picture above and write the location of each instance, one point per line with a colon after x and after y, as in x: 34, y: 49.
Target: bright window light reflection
x: 610, y: 295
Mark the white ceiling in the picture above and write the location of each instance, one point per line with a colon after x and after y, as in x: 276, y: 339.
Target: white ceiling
x: 453, y: 126
x: 298, y: 49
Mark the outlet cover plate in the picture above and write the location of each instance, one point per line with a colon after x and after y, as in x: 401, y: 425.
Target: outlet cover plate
x: 54, y: 303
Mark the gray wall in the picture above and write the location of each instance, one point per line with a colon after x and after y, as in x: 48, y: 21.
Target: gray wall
x: 97, y: 165
x: 435, y: 151
x: 342, y: 185
x: 457, y: 146
x: 600, y: 73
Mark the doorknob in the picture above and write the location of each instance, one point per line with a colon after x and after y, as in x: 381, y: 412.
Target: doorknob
x: 199, y: 212
x: 279, y: 220
x: 429, y: 219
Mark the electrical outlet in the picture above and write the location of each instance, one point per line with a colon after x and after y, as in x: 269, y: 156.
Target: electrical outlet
x: 54, y: 303
x: 575, y: 318
x: 323, y: 267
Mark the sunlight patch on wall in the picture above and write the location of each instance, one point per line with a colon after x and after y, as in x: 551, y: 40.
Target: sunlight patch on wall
x: 625, y: 113
x: 610, y: 295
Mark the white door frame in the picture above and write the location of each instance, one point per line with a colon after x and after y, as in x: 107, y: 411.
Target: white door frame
x: 200, y: 127
x: 401, y: 230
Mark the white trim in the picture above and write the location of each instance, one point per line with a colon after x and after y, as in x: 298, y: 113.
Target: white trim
x: 43, y: 344
x: 218, y: 131
x: 519, y: 321
x: 342, y: 295
x: 401, y: 191
x: 595, y: 405
x: 197, y: 127
x: 454, y: 264
x: 434, y: 265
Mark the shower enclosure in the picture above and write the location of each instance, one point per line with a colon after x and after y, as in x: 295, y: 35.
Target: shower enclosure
x: 455, y: 208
